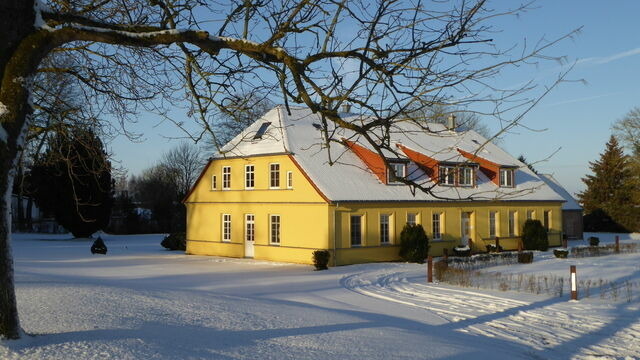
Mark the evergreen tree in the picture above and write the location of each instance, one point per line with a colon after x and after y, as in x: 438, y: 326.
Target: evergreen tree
x: 73, y: 181
x: 610, y: 187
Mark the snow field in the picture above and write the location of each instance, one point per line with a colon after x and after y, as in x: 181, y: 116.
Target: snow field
x: 141, y: 301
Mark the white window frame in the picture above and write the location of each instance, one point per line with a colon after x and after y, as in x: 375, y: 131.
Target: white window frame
x: 513, y: 220
x: 276, y: 178
x: 249, y: 177
x: 493, y: 224
x: 226, y: 177
x: 507, y: 178
x: 226, y: 227
x: 447, y: 175
x: 214, y: 182
x: 249, y: 227
x: 275, y: 229
x: 462, y: 176
x: 289, y: 179
x: 355, y: 234
x: 398, y: 167
x: 385, y: 229
x: 415, y: 218
x: 436, y: 226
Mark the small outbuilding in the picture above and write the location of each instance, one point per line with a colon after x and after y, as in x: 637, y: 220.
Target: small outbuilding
x: 572, y: 212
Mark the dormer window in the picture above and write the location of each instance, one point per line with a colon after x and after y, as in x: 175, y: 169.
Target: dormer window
x: 400, y: 171
x: 507, y: 178
x: 465, y: 176
x: 261, y: 130
x: 447, y: 175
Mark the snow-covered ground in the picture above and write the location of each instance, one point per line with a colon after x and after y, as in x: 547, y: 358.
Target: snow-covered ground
x: 142, y: 302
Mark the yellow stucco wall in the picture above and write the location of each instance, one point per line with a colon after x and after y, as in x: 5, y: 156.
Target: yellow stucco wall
x: 304, y: 215
x: 309, y: 222
x: 451, y: 212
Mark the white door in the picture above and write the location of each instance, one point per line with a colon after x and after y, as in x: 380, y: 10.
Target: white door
x: 465, y: 228
x: 249, y: 234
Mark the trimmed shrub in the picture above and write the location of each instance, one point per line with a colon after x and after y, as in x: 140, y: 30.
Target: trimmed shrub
x: 525, y: 257
x: 594, y: 241
x: 561, y: 253
x: 175, y: 241
x: 534, y: 236
x: 321, y: 259
x: 99, y: 247
x: 414, y: 244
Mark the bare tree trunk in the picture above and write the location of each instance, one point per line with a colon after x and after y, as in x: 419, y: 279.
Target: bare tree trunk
x: 13, y: 29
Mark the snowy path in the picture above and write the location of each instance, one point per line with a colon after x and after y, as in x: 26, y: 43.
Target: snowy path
x: 141, y: 302
x: 546, y: 326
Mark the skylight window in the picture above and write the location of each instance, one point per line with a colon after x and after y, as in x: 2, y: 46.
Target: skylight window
x: 261, y: 131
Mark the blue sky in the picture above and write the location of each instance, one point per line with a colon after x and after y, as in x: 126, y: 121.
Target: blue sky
x: 573, y: 122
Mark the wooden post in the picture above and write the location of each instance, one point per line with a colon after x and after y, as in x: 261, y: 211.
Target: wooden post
x: 520, y: 245
x: 470, y: 246
x: 617, y: 244
x: 445, y: 252
x: 430, y: 269
x: 497, y: 244
x: 565, y: 244
x: 574, y: 283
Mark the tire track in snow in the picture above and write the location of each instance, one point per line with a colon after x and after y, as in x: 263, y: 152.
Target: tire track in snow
x: 541, y: 328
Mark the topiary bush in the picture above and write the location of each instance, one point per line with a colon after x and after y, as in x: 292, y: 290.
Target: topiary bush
x: 534, y: 236
x: 561, y: 253
x: 99, y: 247
x: 594, y: 241
x: 414, y: 244
x: 525, y: 257
x: 175, y: 241
x: 464, y: 251
x: 321, y: 259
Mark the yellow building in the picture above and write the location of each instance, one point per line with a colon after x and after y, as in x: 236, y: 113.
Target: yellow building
x: 271, y: 193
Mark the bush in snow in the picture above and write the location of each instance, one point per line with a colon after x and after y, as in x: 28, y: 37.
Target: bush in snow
x: 175, y: 241
x: 321, y: 259
x: 492, y: 248
x: 594, y: 241
x: 462, y: 251
x: 99, y: 247
x: 561, y: 253
x: 414, y: 244
x: 525, y: 257
x: 534, y: 236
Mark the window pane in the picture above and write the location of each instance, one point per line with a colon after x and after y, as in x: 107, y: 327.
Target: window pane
x: 545, y: 220
x: 226, y: 177
x: 492, y: 224
x: 411, y: 218
x: 436, y: 226
x: 250, y: 227
x: 275, y: 229
x: 249, y: 176
x: 290, y: 180
x: 356, y: 230
x: 226, y: 227
x: 384, y: 228
x: 512, y: 223
x: 275, y: 175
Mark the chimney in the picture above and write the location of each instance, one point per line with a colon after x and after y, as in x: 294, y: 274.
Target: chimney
x: 346, y: 108
x: 451, y: 122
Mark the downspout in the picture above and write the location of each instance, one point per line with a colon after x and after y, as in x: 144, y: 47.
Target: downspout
x: 335, y: 236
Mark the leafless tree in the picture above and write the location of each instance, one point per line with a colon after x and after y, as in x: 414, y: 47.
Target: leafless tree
x: 380, y: 56
x: 184, y: 162
x: 627, y: 130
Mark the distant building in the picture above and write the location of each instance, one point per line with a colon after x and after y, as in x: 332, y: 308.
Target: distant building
x: 572, y: 212
x: 271, y: 193
x: 29, y: 218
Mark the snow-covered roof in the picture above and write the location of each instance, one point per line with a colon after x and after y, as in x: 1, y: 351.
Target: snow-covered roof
x: 571, y: 203
x: 349, y: 179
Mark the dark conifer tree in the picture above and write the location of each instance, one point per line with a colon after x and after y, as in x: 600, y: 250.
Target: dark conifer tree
x: 610, y: 188
x: 73, y: 181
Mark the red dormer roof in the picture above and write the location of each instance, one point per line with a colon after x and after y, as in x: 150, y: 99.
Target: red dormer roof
x: 428, y: 165
x: 373, y: 161
x: 488, y: 167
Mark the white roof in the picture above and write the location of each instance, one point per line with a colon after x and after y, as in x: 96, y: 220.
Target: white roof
x: 349, y: 179
x: 571, y: 203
